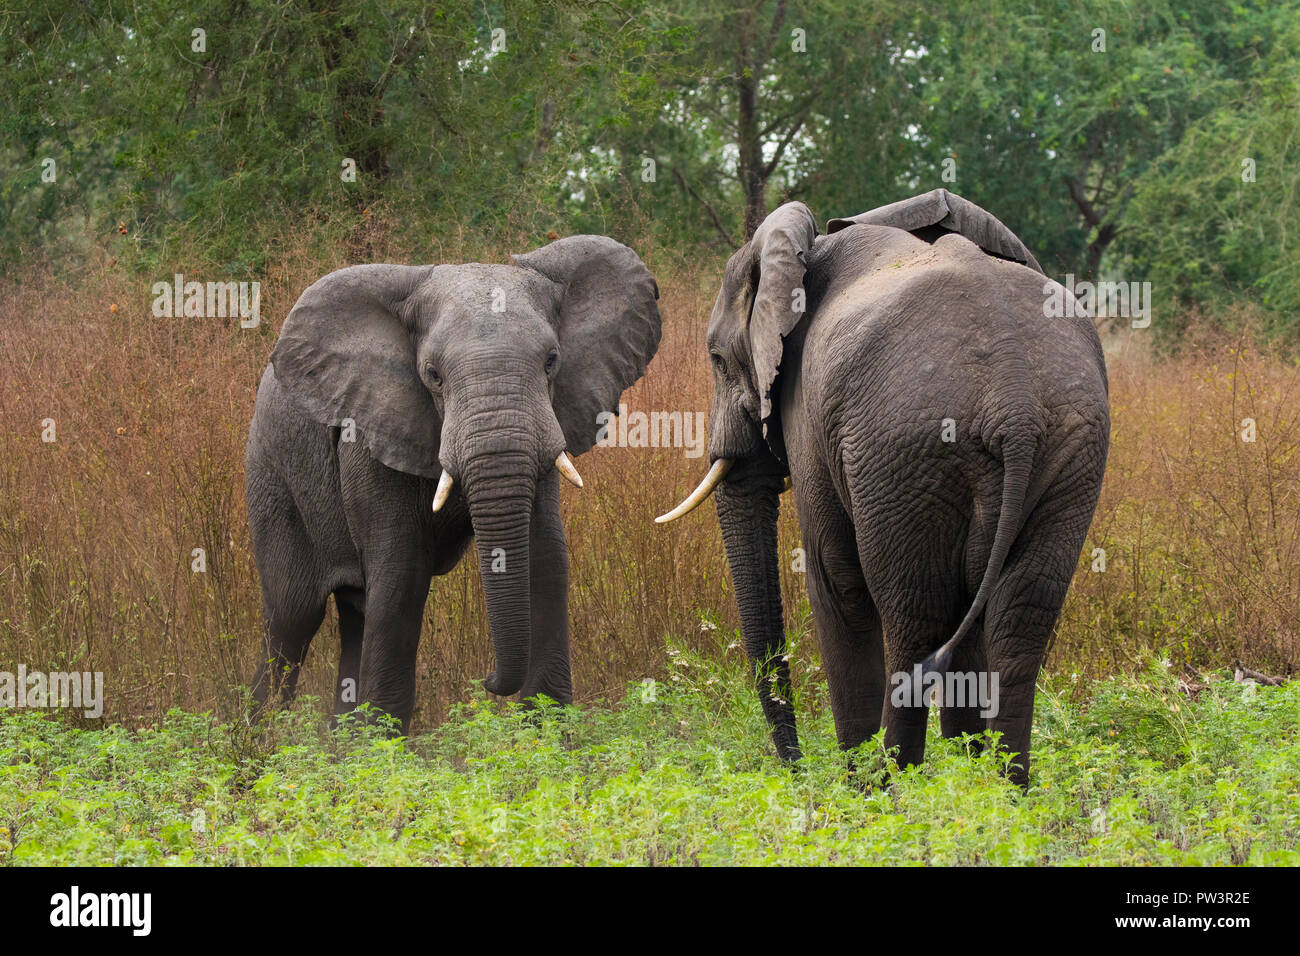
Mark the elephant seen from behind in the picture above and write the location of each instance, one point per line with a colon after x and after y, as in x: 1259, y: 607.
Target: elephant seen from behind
x: 945, y: 440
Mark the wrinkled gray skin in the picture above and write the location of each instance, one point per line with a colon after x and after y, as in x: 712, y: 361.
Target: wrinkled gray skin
x: 486, y: 371
x: 954, y: 554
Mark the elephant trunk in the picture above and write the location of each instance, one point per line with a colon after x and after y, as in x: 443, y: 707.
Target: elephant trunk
x: 499, y: 489
x: 747, y: 512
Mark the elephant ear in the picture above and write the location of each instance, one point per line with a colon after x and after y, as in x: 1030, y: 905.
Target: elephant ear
x: 608, y: 327
x: 346, y: 352
x: 780, y: 249
x: 937, y: 212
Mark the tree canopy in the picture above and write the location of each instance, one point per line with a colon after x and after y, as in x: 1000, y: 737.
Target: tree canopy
x: 1151, y: 142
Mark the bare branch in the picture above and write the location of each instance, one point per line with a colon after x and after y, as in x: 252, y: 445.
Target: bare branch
x: 708, y: 207
x: 799, y: 108
x: 770, y: 167
x: 778, y: 18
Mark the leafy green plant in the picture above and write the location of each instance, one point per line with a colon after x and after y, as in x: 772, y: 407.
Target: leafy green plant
x: 1133, y: 772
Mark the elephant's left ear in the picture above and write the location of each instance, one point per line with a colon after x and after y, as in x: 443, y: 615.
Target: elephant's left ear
x: 608, y: 327
x: 780, y: 248
x: 931, y: 214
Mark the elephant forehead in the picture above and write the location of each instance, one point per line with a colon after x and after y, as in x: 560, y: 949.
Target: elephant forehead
x: 500, y: 289
x: 730, y: 313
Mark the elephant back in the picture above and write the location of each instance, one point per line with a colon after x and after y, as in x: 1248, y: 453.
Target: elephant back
x: 939, y: 212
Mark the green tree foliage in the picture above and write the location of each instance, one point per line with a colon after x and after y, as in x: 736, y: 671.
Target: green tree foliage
x: 282, y: 116
x: 1109, y: 134
x: 767, y: 96
x: 1049, y: 115
x: 1214, y: 218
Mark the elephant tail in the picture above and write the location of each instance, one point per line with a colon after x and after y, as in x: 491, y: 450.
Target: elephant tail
x: 1017, y: 463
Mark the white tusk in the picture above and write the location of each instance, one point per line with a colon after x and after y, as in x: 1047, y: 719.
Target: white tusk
x: 711, y: 481
x: 444, y: 490
x: 565, y: 467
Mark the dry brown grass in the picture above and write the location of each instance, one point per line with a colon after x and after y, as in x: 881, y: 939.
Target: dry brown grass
x: 1201, y: 530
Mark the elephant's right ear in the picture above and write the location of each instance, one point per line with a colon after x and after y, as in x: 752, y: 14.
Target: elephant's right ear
x: 780, y: 248
x: 346, y: 351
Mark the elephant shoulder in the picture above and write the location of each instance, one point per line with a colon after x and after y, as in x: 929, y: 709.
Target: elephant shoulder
x: 281, y: 424
x: 273, y: 409
x: 845, y: 257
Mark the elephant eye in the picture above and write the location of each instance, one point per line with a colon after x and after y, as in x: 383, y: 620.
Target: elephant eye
x: 551, y: 361
x: 432, y: 374
x: 719, y: 362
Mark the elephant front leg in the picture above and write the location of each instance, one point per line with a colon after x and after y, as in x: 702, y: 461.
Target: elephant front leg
x: 548, y: 660
x: 350, y: 603
x: 394, y: 613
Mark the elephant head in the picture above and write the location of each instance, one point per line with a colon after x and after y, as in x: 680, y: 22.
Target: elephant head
x: 760, y: 302
x: 483, y: 376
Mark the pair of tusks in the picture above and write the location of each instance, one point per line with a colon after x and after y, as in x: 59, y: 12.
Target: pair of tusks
x: 706, y: 488
x: 562, y: 465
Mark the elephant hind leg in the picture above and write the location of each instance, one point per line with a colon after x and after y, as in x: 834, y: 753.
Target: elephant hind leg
x: 906, y: 709
x: 1020, y: 618
x: 966, y: 717
x: 848, y: 625
x: 912, y: 582
x: 1023, y: 610
x: 910, y: 555
x: 853, y: 653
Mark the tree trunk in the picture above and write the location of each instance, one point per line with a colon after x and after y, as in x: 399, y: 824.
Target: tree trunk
x: 1096, y: 249
x: 752, y: 179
